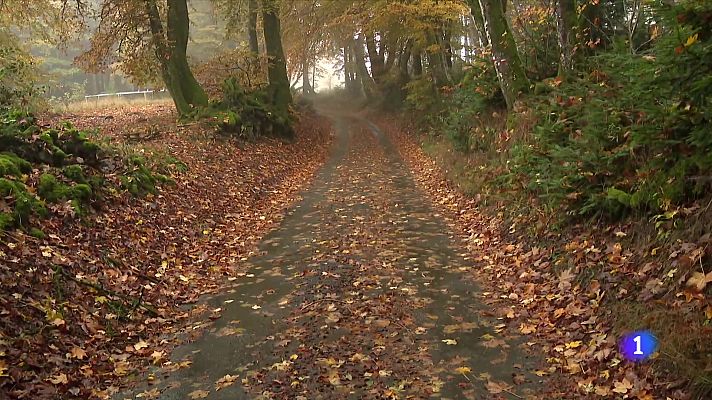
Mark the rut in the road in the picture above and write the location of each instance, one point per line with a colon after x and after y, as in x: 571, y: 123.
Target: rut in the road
x: 360, y: 294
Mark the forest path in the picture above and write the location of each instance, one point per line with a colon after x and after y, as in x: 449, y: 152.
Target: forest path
x: 360, y: 294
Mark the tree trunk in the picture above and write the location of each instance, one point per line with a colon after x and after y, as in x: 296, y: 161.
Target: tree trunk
x: 512, y: 78
x: 447, y: 47
x: 565, y: 25
x: 436, y: 61
x: 278, y: 89
x: 375, y: 59
x: 417, y: 63
x: 306, y: 83
x: 252, y: 27
x: 367, y: 83
x: 168, y: 73
x: 479, y: 22
x: 170, y: 48
x: 178, y: 32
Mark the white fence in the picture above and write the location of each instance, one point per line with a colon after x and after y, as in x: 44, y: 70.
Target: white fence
x: 146, y: 94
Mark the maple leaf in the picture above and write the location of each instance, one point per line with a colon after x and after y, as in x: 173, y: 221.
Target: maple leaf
x: 157, y: 356
x: 140, y: 345
x: 527, y: 329
x: 565, y: 279
x: 623, y: 386
x: 692, y: 40
x: 77, y: 353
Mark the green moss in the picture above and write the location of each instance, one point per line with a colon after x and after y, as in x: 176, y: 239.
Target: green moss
x: 47, y: 187
x: 58, y: 155
x: 53, y: 191
x: 75, y: 173
x: 45, y: 137
x: 24, y: 203
x: 7, y: 221
x: 11, y: 164
x: 37, y: 233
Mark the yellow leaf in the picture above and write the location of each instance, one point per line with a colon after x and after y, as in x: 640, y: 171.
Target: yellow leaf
x: 140, y: 345
x: 699, y: 281
x: 77, y: 353
x: 573, y: 345
x: 449, y: 342
x: 463, y: 370
x: 623, y: 386
x: 157, y: 356
x: 692, y: 40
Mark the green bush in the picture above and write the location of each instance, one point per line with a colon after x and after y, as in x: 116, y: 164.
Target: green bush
x: 630, y: 134
x: 475, y: 96
x: 248, y: 114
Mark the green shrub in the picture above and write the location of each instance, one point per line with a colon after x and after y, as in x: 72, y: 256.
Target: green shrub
x: 630, y: 134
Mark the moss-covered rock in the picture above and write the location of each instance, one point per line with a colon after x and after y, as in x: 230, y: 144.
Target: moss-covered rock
x: 24, y: 204
x: 52, y: 190
x: 75, y: 173
x: 12, y: 165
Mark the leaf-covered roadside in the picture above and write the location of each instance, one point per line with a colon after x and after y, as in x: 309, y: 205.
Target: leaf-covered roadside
x: 82, y: 308
x: 573, y: 293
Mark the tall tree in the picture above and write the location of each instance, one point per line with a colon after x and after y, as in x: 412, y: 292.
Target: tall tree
x: 252, y: 26
x: 565, y: 25
x: 171, y: 52
x: 278, y: 90
x: 507, y: 63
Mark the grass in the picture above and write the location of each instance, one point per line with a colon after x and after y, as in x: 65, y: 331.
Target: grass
x: 109, y: 102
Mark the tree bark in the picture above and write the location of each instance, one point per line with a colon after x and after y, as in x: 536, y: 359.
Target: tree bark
x: 367, y: 83
x: 252, y: 27
x: 375, y: 59
x: 306, y: 83
x: 479, y: 22
x: 436, y: 61
x: 512, y: 78
x: 565, y: 25
x: 178, y: 32
x: 278, y: 90
x: 170, y: 49
x: 417, y: 63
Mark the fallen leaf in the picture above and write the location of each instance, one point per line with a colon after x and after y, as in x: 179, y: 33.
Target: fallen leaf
x: 198, y: 394
x: 140, y: 345
x: 225, y: 381
x: 77, y: 353
x: 60, y: 379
